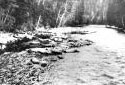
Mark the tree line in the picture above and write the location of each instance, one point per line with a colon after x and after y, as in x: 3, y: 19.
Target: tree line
x: 32, y: 14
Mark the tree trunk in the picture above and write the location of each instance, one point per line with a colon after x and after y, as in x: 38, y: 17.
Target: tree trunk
x: 38, y: 22
x: 58, y: 16
x: 63, y: 15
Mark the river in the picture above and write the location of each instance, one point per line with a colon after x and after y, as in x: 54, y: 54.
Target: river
x: 102, y: 63
x: 107, y: 38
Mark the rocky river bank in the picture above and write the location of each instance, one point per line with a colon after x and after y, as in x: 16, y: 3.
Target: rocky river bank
x: 26, y: 57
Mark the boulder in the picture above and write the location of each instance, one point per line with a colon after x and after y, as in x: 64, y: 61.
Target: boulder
x: 57, y: 39
x: 63, y: 36
x: 29, y: 62
x: 21, y: 36
x: 80, y: 43
x: 57, y: 51
x: 32, y: 44
x: 60, y: 57
x: 41, y: 50
x: 86, y: 42
x: 53, y: 43
x: 73, y: 44
x: 35, y: 60
x: 44, y: 35
x: 46, y: 45
x: 48, y: 51
x: 89, y: 41
x: 72, y: 40
x: 79, y: 32
x: 108, y: 76
x: 54, y: 58
x: 64, y: 46
x: 44, y: 63
x: 44, y: 41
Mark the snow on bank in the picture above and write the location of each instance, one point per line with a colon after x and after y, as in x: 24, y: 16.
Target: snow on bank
x: 5, y: 37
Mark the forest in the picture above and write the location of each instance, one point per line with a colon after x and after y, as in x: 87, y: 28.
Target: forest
x: 32, y: 14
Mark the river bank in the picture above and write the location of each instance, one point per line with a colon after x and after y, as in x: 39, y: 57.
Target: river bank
x: 100, y: 63
x: 26, y: 57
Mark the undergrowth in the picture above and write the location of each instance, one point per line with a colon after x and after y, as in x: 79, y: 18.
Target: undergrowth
x: 17, y: 45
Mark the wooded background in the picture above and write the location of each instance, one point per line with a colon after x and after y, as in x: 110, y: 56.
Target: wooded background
x: 32, y: 14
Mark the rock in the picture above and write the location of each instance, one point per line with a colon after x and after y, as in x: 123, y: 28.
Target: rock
x: 44, y: 41
x: 28, y: 50
x: 54, y: 52
x: 72, y: 51
x: 44, y: 63
x: 89, y: 41
x: 58, y: 39
x: 41, y: 50
x: 54, y: 58
x: 28, y: 62
x: 79, y: 32
x: 35, y: 60
x: 57, y: 51
x: 108, y: 76
x: 7, y: 53
x: 22, y: 53
x: 23, y: 35
x: 85, y: 43
x: 47, y: 45
x: 64, y: 46
x: 53, y: 43
x: 39, y: 43
x: 49, y: 51
x: 44, y: 35
x: 72, y: 40
x: 33, y: 42
x: 64, y: 36
x: 74, y: 44
x: 80, y: 43
x: 60, y: 57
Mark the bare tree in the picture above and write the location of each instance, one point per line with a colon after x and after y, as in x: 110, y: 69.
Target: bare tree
x: 64, y: 13
x: 38, y: 22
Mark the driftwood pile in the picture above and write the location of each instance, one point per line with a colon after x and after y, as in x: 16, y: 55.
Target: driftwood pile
x: 25, y: 60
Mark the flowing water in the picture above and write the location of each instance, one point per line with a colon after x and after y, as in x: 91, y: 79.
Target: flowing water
x: 102, y: 63
x: 106, y: 38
